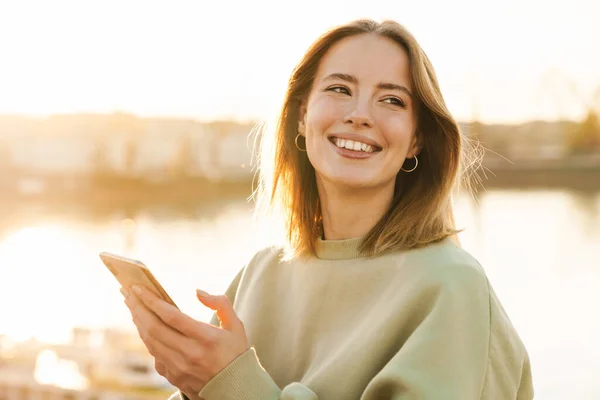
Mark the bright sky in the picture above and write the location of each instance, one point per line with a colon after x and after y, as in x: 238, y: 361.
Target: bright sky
x: 505, y: 61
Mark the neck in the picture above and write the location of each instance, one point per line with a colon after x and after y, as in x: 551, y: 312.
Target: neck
x: 352, y: 213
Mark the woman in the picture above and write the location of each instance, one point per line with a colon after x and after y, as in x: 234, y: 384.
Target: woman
x: 372, y: 298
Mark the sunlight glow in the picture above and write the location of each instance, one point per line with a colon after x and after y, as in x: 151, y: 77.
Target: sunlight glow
x: 51, y: 370
x: 34, y: 291
x: 201, y: 60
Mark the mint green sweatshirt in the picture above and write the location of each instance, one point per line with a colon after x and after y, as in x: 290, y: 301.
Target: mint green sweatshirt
x: 417, y: 324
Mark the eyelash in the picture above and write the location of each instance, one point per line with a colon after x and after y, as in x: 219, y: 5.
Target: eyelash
x: 332, y: 89
x: 396, y: 101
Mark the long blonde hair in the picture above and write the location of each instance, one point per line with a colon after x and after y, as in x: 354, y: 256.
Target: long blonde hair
x: 421, y: 210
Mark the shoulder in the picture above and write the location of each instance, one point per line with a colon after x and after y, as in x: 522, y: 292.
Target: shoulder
x: 267, y: 255
x: 253, y: 270
x: 264, y: 259
x: 445, y: 254
x: 446, y: 266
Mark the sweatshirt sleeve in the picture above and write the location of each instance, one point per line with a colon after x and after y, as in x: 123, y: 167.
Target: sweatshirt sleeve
x: 445, y: 356
x: 246, y: 379
x: 458, y: 348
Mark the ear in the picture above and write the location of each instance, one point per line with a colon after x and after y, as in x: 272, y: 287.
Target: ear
x: 302, y: 119
x: 414, y: 148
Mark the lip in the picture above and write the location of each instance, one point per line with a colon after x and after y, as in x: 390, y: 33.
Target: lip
x: 357, y: 138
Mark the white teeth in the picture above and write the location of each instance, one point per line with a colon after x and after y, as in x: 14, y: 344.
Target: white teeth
x: 353, y: 145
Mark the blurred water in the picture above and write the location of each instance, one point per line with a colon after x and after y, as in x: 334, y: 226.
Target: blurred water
x: 540, y: 249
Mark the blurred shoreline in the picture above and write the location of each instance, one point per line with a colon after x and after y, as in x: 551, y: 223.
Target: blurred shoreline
x: 574, y: 173
x: 190, y: 194
x: 123, y: 192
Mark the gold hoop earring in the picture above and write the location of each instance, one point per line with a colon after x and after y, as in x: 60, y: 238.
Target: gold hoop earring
x: 296, y: 141
x: 413, y: 168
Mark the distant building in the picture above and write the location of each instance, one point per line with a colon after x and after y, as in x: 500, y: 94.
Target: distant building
x: 530, y: 141
x: 231, y: 156
x: 155, y: 149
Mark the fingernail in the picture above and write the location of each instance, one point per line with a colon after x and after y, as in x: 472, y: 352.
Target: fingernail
x: 136, y: 290
x: 125, y: 292
x: 202, y: 293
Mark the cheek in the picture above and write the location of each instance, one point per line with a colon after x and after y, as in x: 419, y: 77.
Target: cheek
x: 399, y: 131
x: 322, y: 113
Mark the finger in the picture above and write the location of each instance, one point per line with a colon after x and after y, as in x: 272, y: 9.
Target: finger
x: 124, y: 292
x: 153, y: 331
x: 173, y: 317
x: 168, y: 347
x: 225, y: 312
x: 160, y: 368
x: 166, y: 358
x: 130, y: 303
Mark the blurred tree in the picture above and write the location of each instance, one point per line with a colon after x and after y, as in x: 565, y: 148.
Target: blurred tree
x: 584, y: 138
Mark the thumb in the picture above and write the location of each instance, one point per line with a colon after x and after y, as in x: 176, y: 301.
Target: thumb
x: 222, y: 306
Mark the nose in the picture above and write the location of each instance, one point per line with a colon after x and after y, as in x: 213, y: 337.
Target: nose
x: 359, y: 116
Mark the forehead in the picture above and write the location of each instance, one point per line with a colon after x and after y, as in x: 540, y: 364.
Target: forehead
x: 370, y: 58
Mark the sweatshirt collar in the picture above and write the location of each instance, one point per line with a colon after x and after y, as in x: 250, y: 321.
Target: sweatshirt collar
x: 342, y: 249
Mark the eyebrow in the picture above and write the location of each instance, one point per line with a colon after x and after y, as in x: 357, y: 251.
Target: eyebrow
x: 380, y: 85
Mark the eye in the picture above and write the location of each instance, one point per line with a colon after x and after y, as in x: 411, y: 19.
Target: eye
x: 395, y: 101
x: 338, y: 89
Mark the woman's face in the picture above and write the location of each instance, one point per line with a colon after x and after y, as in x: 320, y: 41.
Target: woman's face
x: 359, y: 119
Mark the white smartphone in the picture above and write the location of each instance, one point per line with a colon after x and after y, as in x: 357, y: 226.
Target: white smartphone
x: 131, y: 272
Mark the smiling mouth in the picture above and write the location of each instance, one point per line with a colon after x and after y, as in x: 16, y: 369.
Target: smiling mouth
x: 354, y: 145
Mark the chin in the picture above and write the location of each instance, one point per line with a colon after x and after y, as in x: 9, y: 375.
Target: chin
x: 354, y: 181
